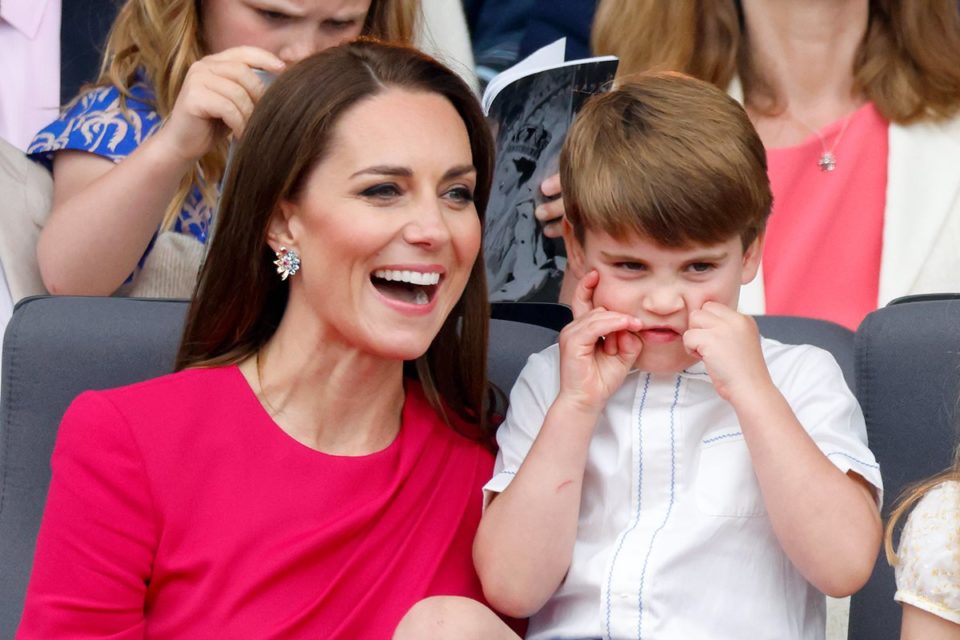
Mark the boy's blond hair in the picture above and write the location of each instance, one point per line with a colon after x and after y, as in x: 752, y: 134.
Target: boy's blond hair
x: 666, y: 157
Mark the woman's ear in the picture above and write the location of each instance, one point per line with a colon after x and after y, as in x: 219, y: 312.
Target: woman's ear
x: 576, y: 260
x: 279, y: 232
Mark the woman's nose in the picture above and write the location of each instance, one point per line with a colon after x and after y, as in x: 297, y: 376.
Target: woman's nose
x: 427, y: 227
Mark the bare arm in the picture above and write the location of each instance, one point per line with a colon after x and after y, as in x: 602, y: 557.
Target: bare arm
x: 526, y: 537
x: 826, y: 521
x: 923, y: 625
x: 104, y: 215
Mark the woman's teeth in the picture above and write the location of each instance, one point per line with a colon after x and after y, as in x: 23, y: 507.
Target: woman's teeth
x: 422, y: 297
x: 410, y: 277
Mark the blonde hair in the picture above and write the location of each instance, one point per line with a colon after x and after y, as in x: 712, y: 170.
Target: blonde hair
x: 666, y: 157
x: 906, y: 63
x: 909, y: 498
x: 160, y: 39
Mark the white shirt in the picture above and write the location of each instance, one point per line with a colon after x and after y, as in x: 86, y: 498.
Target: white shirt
x: 928, y: 571
x: 30, y: 68
x: 673, y: 540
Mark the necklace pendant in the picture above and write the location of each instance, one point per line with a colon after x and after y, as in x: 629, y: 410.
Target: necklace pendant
x: 827, y: 162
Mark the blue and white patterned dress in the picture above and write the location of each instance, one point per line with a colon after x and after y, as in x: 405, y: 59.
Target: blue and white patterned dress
x: 96, y: 123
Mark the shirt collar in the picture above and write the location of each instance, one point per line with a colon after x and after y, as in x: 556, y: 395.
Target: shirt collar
x: 24, y: 15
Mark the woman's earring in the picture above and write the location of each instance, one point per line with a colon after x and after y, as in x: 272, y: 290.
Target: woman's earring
x: 288, y: 262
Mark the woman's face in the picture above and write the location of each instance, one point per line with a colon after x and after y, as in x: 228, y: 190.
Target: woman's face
x: 290, y: 29
x: 385, y: 225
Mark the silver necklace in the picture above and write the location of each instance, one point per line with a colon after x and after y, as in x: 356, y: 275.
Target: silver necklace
x: 828, y: 158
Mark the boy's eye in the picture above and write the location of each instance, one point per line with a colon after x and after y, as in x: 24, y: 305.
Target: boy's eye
x: 631, y: 266
x: 701, y: 267
x: 381, y: 191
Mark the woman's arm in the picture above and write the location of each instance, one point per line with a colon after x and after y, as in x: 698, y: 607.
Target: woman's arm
x: 97, y: 540
x: 104, y: 215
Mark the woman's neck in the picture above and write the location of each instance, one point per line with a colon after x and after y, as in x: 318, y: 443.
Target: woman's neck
x: 805, y: 52
x: 325, y: 395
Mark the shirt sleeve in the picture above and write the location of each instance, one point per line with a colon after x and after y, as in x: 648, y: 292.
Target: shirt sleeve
x: 97, y: 123
x: 533, y: 393
x: 98, y: 535
x: 830, y: 413
x: 928, y: 571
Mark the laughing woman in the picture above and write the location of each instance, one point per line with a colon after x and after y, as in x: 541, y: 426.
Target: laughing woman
x: 314, y: 468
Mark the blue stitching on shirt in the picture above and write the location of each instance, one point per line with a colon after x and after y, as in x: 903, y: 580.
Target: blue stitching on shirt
x: 653, y: 539
x: 636, y: 515
x: 847, y: 455
x: 723, y: 436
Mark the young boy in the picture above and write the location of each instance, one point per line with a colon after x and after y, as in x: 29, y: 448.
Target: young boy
x: 665, y: 472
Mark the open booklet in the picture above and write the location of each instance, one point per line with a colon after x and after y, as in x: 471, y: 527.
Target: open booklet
x: 530, y: 107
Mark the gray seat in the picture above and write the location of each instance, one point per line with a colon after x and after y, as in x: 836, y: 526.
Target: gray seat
x: 836, y: 339
x: 57, y: 347
x: 908, y: 384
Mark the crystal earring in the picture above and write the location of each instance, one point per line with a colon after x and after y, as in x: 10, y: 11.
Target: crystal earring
x: 288, y: 262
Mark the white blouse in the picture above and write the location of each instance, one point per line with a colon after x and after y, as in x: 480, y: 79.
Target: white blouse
x: 928, y: 573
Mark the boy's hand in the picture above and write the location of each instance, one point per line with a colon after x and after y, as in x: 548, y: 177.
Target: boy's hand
x: 728, y: 342
x: 597, y: 349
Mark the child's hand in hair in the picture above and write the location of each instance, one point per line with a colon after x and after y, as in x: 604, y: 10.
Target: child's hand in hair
x: 597, y: 349
x: 728, y: 342
x: 217, y: 96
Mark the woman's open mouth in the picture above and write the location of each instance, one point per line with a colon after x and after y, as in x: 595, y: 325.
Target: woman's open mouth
x: 410, y: 287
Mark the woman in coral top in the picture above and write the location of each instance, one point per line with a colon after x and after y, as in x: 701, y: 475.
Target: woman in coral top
x: 858, y: 105
x: 315, y: 466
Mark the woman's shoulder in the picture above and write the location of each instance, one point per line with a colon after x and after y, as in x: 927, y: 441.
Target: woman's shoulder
x: 165, y: 396
x: 459, y: 434
x: 101, y: 121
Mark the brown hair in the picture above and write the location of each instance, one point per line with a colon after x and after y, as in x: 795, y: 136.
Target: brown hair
x: 160, y: 39
x: 667, y: 157
x: 909, y: 498
x: 240, y: 300
x: 906, y: 63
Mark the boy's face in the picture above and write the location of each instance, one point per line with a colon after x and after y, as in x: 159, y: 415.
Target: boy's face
x: 662, y: 285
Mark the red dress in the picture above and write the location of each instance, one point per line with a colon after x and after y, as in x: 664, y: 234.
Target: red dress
x: 179, y: 509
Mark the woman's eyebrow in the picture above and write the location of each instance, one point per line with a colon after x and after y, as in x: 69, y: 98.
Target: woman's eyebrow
x: 406, y: 172
x: 385, y: 170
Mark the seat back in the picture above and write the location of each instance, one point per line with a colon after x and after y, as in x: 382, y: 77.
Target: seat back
x: 57, y: 347
x: 836, y: 339
x: 908, y: 382
x: 54, y: 349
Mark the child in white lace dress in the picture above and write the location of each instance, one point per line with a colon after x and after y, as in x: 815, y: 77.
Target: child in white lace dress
x: 927, y: 561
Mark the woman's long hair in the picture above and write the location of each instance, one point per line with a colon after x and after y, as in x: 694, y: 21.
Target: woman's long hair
x: 240, y: 300
x: 160, y: 39
x: 906, y: 63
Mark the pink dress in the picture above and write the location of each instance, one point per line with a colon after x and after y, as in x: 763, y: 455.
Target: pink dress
x: 179, y: 509
x: 824, y: 238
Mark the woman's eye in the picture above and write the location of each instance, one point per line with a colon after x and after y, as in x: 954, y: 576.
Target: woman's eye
x: 462, y: 195
x: 701, y: 267
x: 381, y: 191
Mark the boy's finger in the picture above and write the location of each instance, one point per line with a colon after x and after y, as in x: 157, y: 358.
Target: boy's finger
x: 582, y: 302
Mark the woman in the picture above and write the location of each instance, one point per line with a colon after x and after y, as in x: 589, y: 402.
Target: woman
x: 290, y: 480
x: 190, y: 65
x: 857, y: 104
x: 927, y: 561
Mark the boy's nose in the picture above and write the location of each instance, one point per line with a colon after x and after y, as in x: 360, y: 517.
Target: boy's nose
x: 663, y: 301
